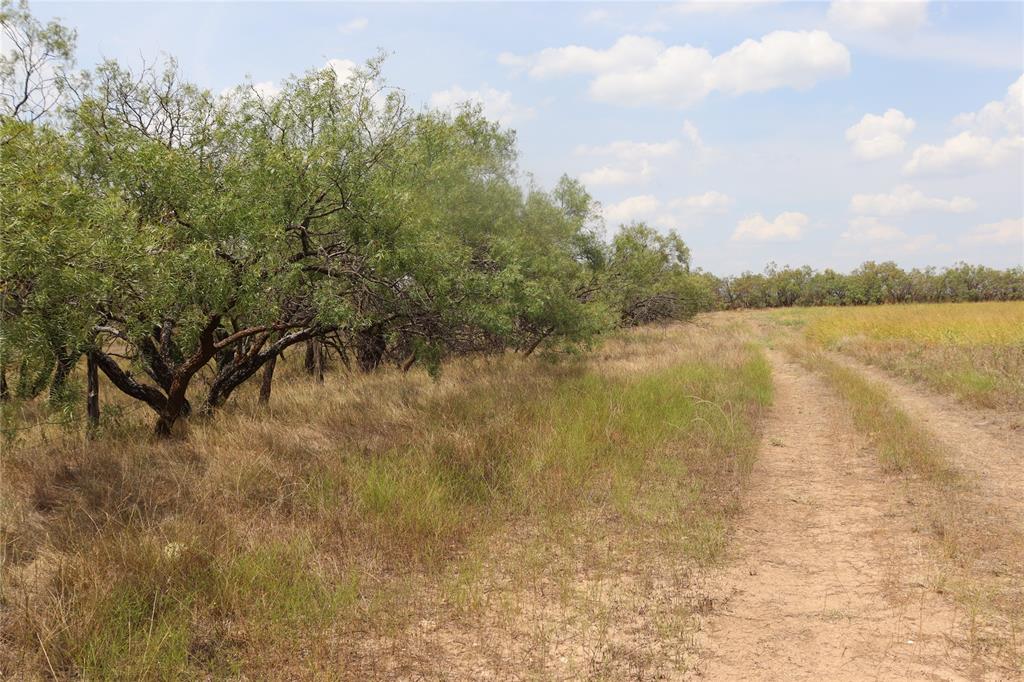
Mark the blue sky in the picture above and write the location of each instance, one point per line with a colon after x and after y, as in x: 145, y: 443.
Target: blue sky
x: 818, y: 133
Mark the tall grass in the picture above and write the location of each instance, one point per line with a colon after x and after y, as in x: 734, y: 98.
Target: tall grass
x: 902, y: 445
x: 974, y: 351
x: 962, y: 324
x: 227, y: 552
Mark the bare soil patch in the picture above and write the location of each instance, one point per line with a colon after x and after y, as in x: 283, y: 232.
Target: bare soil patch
x: 828, y: 577
x: 986, y: 444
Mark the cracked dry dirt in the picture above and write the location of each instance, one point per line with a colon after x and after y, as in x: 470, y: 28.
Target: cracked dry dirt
x: 831, y: 573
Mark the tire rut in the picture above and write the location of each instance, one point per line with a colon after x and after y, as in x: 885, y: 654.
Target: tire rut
x: 827, y: 574
x: 980, y: 443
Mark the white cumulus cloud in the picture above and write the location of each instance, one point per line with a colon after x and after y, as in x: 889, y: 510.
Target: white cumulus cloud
x: 1000, y: 116
x: 866, y: 229
x: 635, y: 161
x: 354, y: 25
x: 1009, y: 231
x: 794, y: 59
x: 905, y: 199
x: 709, y: 202
x: 786, y: 226
x: 919, y: 243
x: 266, y: 89
x: 609, y: 175
x: 876, y: 137
x: 994, y: 134
x: 877, y: 15
x: 633, y: 208
x: 963, y: 153
x: 628, y: 150
x: 343, y: 68
x: 496, y: 104
x: 638, y: 70
x: 885, y: 240
x: 673, y: 214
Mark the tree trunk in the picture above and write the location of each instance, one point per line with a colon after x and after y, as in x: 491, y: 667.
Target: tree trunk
x: 410, y: 361
x: 173, y: 407
x: 125, y: 382
x: 5, y: 393
x: 183, y: 374
x: 268, y: 380
x: 92, y: 391
x: 310, y: 360
x: 537, y: 342
x: 65, y: 363
x: 231, y: 377
x: 318, y: 361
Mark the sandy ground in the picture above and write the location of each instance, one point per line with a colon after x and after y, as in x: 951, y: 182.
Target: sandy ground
x: 831, y: 572
x: 986, y: 445
x: 827, y: 578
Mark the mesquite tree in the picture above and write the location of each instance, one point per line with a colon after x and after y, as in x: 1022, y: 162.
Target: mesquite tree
x: 170, y: 234
x: 648, y: 277
x: 208, y: 268
x: 32, y: 65
x: 59, y: 257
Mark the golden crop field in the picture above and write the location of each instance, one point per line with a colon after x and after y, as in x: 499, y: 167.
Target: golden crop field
x: 962, y: 324
x: 974, y: 351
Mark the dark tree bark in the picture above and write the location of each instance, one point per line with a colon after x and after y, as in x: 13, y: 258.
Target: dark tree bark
x: 318, y: 360
x: 158, y: 369
x: 172, y: 408
x: 536, y: 342
x: 231, y: 376
x: 127, y: 384
x: 65, y: 363
x: 268, y: 380
x: 183, y: 375
x: 92, y: 391
x: 309, y: 361
x: 370, y: 347
x: 5, y: 393
x: 171, y: 403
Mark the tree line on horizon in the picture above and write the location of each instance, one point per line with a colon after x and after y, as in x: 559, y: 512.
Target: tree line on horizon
x: 182, y: 241
x: 869, y: 284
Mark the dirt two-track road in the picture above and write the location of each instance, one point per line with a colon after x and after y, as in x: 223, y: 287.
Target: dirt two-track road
x: 830, y: 575
x: 836, y: 569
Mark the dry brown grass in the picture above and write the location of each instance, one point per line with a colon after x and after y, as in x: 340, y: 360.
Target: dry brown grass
x: 367, y: 504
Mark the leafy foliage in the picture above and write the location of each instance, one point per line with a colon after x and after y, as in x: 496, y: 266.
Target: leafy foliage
x: 168, y: 233
x: 870, y: 284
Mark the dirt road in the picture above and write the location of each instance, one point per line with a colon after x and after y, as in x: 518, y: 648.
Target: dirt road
x: 983, y: 444
x: 828, y: 578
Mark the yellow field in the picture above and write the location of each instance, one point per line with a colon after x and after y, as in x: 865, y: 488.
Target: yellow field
x: 974, y: 351
x: 960, y: 324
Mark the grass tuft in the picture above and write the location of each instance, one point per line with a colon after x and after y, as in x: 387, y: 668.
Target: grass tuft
x: 364, y: 504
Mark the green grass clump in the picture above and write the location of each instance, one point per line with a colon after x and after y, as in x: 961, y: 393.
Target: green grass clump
x: 222, y: 557
x: 903, y: 445
x: 165, y: 610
